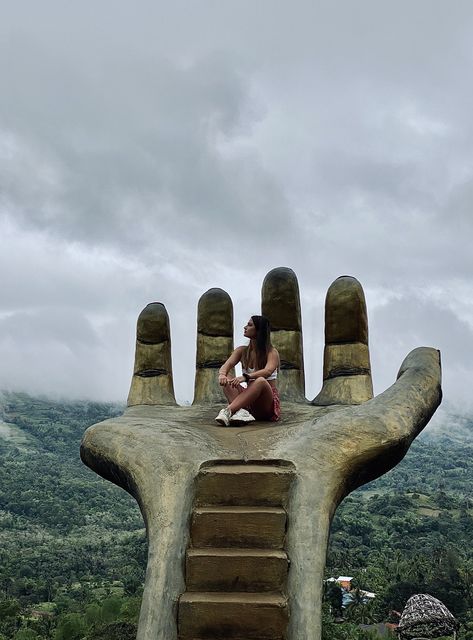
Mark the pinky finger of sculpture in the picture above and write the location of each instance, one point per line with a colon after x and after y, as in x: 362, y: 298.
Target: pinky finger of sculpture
x: 152, y: 374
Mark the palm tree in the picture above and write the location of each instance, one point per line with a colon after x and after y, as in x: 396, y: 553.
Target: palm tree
x: 359, y: 610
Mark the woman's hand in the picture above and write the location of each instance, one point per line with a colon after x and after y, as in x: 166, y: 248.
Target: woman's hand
x: 234, y: 359
x: 223, y: 380
x: 237, y: 381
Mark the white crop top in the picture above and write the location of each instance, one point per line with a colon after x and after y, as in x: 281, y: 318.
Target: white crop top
x: 272, y: 376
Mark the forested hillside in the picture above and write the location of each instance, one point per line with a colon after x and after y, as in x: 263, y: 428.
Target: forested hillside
x: 73, y: 548
x: 408, y: 532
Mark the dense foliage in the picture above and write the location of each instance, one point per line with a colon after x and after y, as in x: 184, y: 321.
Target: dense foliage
x: 73, y: 548
x: 409, y: 532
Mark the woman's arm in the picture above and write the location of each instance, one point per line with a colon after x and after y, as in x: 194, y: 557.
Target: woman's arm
x: 229, y: 364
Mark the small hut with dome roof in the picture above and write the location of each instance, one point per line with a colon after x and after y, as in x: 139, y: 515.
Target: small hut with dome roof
x: 424, y: 617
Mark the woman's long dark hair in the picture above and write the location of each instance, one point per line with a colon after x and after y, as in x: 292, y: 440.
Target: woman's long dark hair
x: 263, y: 342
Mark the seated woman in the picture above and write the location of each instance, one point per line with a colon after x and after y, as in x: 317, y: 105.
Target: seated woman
x: 260, y: 365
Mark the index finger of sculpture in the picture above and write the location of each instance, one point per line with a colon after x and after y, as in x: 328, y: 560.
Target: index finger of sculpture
x: 280, y: 303
x: 347, y: 369
x: 152, y: 374
x: 214, y: 343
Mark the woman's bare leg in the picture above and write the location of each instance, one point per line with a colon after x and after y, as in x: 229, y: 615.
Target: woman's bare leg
x: 232, y: 392
x: 258, y: 393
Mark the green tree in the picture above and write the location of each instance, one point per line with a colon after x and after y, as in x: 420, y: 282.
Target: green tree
x: 93, y: 614
x: 25, y: 634
x: 111, y: 608
x: 116, y: 630
x: 130, y: 609
x: 71, y: 626
x: 9, y: 616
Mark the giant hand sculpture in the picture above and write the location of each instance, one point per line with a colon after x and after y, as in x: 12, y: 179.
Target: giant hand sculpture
x: 175, y: 459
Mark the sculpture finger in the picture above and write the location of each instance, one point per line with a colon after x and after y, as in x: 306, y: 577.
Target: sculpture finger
x: 347, y: 369
x: 280, y: 303
x: 214, y: 344
x: 152, y: 374
x: 386, y: 426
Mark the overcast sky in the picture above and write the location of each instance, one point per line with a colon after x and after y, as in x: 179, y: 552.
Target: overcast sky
x: 152, y: 150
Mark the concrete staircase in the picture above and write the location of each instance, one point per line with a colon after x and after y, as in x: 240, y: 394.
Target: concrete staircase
x: 236, y: 566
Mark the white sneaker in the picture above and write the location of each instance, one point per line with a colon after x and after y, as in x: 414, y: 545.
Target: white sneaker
x: 224, y: 416
x: 242, y: 416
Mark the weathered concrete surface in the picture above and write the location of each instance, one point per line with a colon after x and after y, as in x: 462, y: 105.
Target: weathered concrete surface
x: 241, y: 526
x: 244, y: 484
x: 156, y: 452
x: 246, y: 557
x: 224, y: 569
x: 233, y: 616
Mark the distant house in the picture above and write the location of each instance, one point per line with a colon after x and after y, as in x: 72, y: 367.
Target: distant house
x: 348, y: 592
x: 344, y: 582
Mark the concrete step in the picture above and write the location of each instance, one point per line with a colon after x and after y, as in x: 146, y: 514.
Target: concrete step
x: 252, y: 616
x: 244, y: 484
x: 236, y: 569
x: 263, y: 527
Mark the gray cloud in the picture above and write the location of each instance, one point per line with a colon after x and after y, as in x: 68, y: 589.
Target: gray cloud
x: 413, y: 320
x: 125, y: 154
x: 152, y: 152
